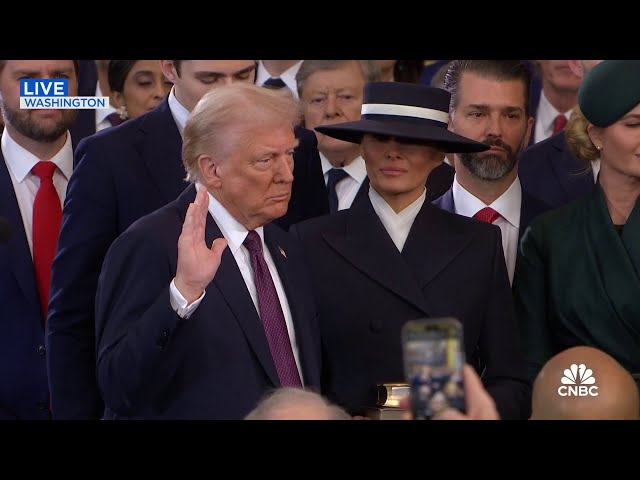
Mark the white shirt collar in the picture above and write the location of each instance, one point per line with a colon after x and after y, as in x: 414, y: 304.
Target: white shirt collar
x: 20, y: 161
x: 547, y: 113
x: 102, y: 113
x: 231, y: 229
x: 397, y: 225
x: 507, y: 205
x: 357, y: 169
x: 180, y: 114
x: 288, y: 76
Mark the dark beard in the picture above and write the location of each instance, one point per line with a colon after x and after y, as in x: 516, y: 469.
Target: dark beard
x: 491, y: 167
x: 22, y: 122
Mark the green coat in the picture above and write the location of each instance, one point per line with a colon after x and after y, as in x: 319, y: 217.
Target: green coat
x: 577, y: 282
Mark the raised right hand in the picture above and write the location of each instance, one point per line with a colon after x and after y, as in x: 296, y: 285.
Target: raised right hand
x: 197, y: 263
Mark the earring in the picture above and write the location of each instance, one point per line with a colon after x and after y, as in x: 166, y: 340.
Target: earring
x: 122, y: 112
x: 599, y: 147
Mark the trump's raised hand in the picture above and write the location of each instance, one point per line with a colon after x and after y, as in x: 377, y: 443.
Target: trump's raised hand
x: 197, y: 263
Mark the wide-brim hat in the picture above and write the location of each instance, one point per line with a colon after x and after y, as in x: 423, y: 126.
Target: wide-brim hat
x: 404, y: 110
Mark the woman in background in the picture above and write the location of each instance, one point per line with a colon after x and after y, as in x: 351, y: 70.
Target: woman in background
x: 577, y: 278
x: 137, y: 86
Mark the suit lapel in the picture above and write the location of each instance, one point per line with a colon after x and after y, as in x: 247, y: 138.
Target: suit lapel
x: 17, y: 246
x: 277, y: 247
x: 368, y: 247
x: 230, y: 283
x: 433, y: 243
x: 363, y: 191
x: 445, y: 202
x: 161, y: 150
x: 530, y: 208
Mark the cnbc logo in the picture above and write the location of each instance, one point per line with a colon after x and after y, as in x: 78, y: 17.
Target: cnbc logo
x: 578, y: 381
x: 53, y: 93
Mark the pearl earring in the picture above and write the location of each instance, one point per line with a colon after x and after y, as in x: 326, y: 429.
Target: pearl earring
x: 122, y: 112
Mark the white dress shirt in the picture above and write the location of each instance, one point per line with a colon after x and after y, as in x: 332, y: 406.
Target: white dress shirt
x: 288, y: 77
x: 507, y: 205
x: 235, y: 233
x: 179, y: 113
x: 348, y: 187
x: 545, y: 115
x: 102, y: 121
x: 399, y: 224
x: 25, y: 183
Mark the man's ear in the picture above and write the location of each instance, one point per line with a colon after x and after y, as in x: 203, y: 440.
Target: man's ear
x: 210, y: 171
x: 169, y: 71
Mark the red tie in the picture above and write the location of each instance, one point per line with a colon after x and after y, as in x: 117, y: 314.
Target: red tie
x: 487, y: 214
x: 559, y: 123
x: 47, y: 217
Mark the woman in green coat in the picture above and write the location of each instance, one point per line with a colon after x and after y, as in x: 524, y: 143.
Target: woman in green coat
x: 577, y: 279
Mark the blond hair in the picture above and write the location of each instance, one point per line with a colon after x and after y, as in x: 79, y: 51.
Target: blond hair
x: 578, y: 138
x: 236, y: 105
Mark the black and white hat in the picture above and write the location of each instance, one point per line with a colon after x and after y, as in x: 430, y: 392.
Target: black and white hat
x: 404, y: 110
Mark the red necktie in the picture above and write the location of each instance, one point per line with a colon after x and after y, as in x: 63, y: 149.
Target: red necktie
x: 559, y: 123
x: 487, y: 214
x: 271, y: 315
x: 47, y: 217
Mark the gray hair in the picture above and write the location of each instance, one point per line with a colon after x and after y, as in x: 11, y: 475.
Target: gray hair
x: 370, y: 70
x: 287, y: 399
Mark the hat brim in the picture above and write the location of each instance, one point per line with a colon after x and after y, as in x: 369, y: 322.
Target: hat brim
x: 440, y: 137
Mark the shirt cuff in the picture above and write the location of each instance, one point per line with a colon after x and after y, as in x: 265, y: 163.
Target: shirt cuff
x: 179, y: 303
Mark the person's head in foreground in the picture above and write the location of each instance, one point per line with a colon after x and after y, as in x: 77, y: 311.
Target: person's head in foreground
x: 403, y: 136
x: 296, y: 404
x: 584, y: 383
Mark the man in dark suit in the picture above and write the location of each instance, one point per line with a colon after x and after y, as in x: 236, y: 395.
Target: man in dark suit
x: 92, y: 81
x: 548, y: 169
x: 205, y: 331
x: 123, y: 173
x: 489, y: 103
x: 395, y: 257
x: 36, y: 162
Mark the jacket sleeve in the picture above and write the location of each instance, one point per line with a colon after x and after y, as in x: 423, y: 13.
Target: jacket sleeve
x: 89, y: 225
x: 135, y: 323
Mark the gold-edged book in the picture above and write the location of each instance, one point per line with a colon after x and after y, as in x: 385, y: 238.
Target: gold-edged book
x: 390, y: 394
x: 388, y: 402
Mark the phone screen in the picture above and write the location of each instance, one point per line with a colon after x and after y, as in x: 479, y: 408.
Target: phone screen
x: 433, y: 357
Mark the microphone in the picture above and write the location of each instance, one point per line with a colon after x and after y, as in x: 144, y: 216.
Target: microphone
x: 5, y: 230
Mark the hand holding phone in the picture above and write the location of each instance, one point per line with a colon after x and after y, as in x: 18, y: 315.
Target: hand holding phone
x: 433, y: 352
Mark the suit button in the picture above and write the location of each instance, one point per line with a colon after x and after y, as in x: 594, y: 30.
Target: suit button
x: 163, y: 339
x: 41, y: 350
x: 376, y: 325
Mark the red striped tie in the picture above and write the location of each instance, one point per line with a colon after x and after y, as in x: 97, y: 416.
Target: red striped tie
x: 487, y: 214
x: 47, y: 217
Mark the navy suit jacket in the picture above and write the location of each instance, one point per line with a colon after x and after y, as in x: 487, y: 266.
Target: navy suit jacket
x: 550, y: 171
x: 530, y: 208
x: 24, y: 393
x: 85, y: 123
x: 217, y: 363
x: 366, y: 290
x: 122, y: 174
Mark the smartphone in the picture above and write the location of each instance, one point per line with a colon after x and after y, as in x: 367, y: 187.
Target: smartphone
x: 433, y: 351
